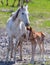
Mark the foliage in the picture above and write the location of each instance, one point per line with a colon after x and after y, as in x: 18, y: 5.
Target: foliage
x: 38, y: 9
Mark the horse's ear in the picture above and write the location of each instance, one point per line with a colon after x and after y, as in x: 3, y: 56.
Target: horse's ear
x: 21, y: 3
x: 22, y: 6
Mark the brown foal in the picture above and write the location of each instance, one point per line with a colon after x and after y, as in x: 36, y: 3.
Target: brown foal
x: 36, y: 38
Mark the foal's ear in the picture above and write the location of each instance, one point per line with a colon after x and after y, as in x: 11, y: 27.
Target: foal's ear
x: 27, y: 28
x: 30, y: 28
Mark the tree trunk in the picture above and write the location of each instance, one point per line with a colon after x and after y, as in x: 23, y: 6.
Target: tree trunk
x: 6, y: 2
x: 1, y: 2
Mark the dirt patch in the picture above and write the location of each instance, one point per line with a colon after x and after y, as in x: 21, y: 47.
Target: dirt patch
x: 26, y: 50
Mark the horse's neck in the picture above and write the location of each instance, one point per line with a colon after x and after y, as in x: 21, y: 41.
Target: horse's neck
x: 17, y: 22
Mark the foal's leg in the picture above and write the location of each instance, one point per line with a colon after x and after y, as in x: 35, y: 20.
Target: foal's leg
x: 43, y: 50
x: 40, y: 56
x: 41, y: 45
x: 33, y: 52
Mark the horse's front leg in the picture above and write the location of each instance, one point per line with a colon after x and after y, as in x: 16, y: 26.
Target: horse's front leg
x: 21, y: 51
x: 8, y: 49
x: 15, y: 49
x: 12, y: 46
x: 33, y: 52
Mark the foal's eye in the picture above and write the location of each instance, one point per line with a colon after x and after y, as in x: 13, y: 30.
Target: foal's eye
x: 22, y: 13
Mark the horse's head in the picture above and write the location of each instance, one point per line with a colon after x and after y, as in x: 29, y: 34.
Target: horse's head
x: 23, y: 15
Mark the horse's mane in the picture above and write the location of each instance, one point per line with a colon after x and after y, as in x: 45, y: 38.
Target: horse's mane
x: 15, y: 15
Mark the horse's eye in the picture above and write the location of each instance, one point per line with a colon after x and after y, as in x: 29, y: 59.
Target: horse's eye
x: 22, y: 13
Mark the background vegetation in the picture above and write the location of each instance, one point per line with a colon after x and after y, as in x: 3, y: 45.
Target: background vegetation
x: 39, y: 13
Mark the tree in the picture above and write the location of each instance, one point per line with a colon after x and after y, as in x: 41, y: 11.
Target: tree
x: 1, y: 2
x: 15, y: 1
x: 6, y: 2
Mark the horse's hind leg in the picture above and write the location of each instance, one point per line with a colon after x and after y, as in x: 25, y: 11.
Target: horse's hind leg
x: 7, y: 53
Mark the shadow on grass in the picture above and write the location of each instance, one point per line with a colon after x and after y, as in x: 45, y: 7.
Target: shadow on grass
x: 6, y: 63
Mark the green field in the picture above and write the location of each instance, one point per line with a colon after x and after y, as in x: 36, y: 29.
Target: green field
x: 39, y: 11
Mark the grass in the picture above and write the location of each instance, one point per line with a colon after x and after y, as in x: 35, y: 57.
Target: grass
x: 46, y: 63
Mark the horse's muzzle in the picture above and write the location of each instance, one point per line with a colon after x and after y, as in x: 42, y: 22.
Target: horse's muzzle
x: 27, y: 24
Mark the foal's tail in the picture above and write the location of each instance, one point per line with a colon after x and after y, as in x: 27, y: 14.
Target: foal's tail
x: 43, y: 36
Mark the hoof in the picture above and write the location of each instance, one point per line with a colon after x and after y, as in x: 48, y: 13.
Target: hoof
x: 42, y: 64
x: 32, y: 61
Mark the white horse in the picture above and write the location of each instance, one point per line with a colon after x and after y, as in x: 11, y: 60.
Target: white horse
x: 16, y: 27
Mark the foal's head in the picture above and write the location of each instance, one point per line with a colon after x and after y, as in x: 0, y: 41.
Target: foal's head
x: 31, y: 33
